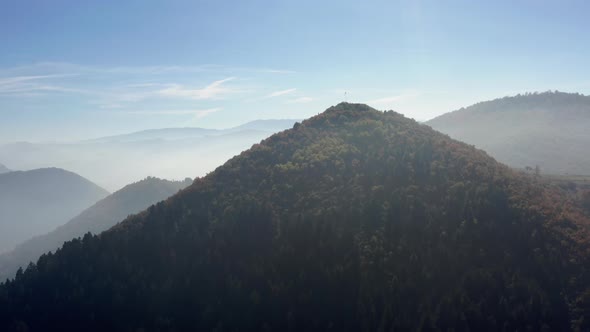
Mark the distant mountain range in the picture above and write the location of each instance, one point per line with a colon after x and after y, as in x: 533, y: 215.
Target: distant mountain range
x: 101, y: 216
x: 172, y: 153
x: 266, y: 125
x: 35, y: 202
x: 172, y: 134
x: 549, y: 130
x: 353, y: 220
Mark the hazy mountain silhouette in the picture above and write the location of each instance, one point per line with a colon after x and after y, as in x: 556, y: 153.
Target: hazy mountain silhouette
x: 3, y: 169
x: 101, y: 216
x: 34, y: 202
x: 353, y: 220
x: 172, y: 153
x: 267, y: 125
x: 157, y: 134
x: 271, y: 126
x: 545, y: 129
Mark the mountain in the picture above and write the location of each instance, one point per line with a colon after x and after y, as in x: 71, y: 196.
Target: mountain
x: 34, y: 202
x: 549, y: 130
x: 352, y: 220
x: 273, y: 125
x: 170, y: 153
x: 168, y: 134
x: 157, y: 134
x: 101, y: 216
x: 3, y: 169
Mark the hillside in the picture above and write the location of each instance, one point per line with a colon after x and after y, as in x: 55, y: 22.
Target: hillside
x: 101, y: 216
x: 353, y: 220
x: 35, y: 202
x: 546, y: 129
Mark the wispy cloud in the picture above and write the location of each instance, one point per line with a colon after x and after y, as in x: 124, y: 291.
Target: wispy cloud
x: 278, y: 71
x: 109, y: 105
x: 142, y: 85
x: 300, y: 100
x: 20, y: 79
x: 272, y: 95
x: 279, y: 93
x: 211, y: 91
x: 195, y: 113
x: 30, y: 84
x: 137, y: 89
x: 391, y: 100
x: 58, y: 67
x: 125, y: 84
x: 204, y: 113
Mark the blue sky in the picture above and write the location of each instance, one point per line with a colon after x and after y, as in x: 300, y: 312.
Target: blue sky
x: 80, y: 69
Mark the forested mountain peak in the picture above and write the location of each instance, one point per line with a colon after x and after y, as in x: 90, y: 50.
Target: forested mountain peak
x: 355, y: 219
x: 346, y: 107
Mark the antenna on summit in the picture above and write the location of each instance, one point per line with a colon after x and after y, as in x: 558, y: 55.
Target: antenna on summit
x: 345, y: 96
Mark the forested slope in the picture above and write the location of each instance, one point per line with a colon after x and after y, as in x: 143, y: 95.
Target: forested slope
x: 353, y: 220
x: 133, y: 198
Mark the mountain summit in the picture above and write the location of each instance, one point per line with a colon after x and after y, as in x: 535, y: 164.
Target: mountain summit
x: 352, y: 220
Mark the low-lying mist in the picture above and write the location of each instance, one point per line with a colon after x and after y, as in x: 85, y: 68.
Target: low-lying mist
x: 114, y: 162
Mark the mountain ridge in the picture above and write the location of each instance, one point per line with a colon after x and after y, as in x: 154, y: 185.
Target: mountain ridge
x: 32, y: 202
x: 116, y: 161
x: 105, y: 213
x: 271, y: 125
x: 337, y: 224
x: 545, y: 129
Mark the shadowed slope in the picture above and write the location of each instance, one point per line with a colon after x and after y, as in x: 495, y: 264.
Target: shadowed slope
x: 353, y: 220
x: 35, y: 202
x: 101, y: 216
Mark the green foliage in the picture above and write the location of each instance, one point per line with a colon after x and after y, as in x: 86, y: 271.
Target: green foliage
x: 353, y: 220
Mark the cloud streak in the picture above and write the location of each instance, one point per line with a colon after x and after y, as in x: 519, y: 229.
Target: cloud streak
x: 390, y: 100
x: 30, y: 84
x: 20, y: 79
x: 301, y: 100
x: 59, y: 67
x: 195, y: 113
x: 211, y: 91
x: 279, y: 93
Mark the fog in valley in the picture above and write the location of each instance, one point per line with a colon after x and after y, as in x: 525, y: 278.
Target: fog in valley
x: 113, y: 162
